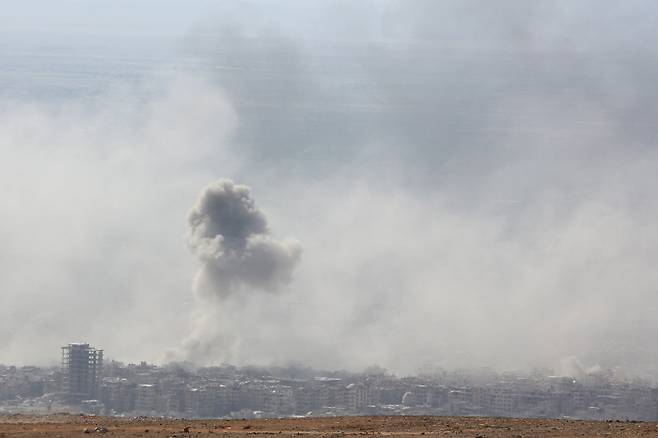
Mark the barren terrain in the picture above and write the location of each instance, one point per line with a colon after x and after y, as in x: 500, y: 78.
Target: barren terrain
x: 65, y: 426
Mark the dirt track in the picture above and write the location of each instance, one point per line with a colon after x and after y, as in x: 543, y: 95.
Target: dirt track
x: 64, y: 426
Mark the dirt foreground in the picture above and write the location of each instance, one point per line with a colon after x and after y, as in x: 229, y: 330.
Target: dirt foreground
x: 64, y: 426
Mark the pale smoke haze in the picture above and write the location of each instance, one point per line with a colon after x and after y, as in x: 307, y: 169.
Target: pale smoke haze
x: 77, y: 178
x: 473, y: 184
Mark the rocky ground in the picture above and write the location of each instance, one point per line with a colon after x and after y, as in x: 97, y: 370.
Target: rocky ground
x: 64, y: 426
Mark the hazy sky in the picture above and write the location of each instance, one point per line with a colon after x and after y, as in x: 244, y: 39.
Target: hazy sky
x: 469, y: 183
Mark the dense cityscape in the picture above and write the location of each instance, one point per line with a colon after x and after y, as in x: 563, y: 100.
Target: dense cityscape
x: 84, y: 383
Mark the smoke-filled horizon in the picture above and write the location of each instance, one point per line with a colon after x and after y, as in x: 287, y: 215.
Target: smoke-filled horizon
x: 473, y: 184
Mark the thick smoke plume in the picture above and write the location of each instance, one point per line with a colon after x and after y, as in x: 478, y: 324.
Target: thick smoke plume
x: 230, y: 236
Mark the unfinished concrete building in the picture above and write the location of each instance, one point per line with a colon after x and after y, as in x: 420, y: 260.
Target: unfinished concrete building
x: 81, y: 372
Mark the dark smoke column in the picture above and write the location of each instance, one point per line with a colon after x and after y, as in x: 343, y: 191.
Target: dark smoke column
x: 231, y: 238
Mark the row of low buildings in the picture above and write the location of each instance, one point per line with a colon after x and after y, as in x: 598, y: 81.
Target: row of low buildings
x: 231, y: 392
x: 265, y: 396
x: 27, y: 382
x: 84, y: 382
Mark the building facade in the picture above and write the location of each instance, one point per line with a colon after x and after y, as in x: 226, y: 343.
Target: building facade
x: 82, y: 367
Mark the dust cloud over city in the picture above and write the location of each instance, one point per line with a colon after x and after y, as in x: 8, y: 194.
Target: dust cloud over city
x: 472, y: 184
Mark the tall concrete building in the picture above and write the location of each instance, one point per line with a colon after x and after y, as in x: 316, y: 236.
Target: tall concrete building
x: 82, y: 367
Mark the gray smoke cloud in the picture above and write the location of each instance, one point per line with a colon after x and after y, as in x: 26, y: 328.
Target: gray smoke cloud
x: 230, y: 236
